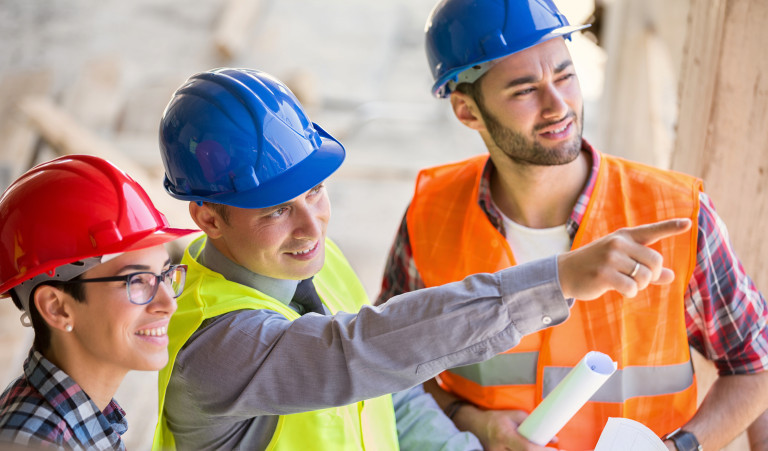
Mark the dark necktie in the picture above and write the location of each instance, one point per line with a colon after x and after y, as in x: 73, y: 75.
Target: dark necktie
x: 307, y: 298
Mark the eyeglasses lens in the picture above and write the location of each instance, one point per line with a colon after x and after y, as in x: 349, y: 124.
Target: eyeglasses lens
x: 175, y: 279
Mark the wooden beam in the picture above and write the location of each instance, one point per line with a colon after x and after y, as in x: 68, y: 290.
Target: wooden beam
x: 234, y: 26
x: 723, y: 132
x: 722, y: 135
x: 96, y: 97
x: 19, y: 138
x: 643, y: 42
x: 66, y: 136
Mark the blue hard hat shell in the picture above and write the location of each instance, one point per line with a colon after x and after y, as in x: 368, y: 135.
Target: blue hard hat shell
x: 464, y: 33
x: 240, y: 137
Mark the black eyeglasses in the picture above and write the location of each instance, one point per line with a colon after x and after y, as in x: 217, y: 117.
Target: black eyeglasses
x: 142, y: 286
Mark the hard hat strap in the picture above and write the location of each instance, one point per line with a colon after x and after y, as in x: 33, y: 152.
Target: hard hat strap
x: 472, y: 74
x: 26, y: 289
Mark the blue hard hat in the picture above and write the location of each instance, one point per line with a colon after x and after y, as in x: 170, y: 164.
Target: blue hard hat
x: 464, y: 34
x: 240, y: 137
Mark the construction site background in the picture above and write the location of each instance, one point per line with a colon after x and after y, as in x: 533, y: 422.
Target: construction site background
x: 79, y: 76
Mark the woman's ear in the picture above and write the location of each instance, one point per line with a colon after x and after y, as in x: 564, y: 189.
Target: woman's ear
x: 54, y: 308
x: 465, y: 109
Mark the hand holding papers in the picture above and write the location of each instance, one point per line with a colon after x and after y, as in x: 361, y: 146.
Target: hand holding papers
x: 567, y: 398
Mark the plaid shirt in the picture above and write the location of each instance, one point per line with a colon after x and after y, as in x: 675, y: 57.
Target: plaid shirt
x: 47, y: 409
x: 725, y: 315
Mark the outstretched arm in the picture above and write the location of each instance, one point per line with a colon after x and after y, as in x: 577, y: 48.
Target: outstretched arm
x: 344, y: 358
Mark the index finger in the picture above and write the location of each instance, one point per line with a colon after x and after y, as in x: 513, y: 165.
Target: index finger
x: 650, y: 233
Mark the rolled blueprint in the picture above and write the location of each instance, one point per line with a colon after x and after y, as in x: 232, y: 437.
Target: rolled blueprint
x: 566, y: 399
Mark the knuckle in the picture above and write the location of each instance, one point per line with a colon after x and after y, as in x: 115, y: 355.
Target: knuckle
x: 613, y: 257
x: 603, y: 272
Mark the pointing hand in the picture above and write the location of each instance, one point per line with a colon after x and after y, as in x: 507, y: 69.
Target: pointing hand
x: 619, y: 261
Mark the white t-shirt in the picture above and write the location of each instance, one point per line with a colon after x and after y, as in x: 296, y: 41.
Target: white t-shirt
x: 532, y: 244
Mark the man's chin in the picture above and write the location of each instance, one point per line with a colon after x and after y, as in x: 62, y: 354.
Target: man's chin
x: 563, y: 154
x: 311, y: 268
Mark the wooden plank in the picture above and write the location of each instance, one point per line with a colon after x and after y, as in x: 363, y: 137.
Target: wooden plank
x: 66, y: 136
x: 137, y: 130
x: 234, y: 26
x: 19, y: 138
x: 643, y: 42
x: 722, y: 134
x: 96, y: 96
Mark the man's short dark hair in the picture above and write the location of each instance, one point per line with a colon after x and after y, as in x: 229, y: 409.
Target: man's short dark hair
x: 220, y: 209
x: 472, y: 90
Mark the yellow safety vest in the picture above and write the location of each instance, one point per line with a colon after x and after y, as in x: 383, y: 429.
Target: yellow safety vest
x: 366, y: 425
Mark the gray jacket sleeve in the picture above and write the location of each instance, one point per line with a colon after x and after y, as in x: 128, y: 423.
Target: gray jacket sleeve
x: 257, y: 362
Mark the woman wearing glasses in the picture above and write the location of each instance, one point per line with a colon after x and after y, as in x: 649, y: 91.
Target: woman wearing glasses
x: 82, y: 255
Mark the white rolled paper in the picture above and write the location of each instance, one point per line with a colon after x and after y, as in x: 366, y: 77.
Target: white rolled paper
x: 623, y: 434
x: 566, y: 399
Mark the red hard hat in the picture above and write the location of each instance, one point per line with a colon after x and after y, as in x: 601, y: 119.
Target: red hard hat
x: 70, y: 209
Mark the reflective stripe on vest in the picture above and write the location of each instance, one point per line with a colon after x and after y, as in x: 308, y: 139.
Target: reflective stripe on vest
x: 451, y: 238
x: 520, y: 369
x: 366, y: 425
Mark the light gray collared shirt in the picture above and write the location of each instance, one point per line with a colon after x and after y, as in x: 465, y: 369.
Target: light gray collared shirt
x: 240, y: 370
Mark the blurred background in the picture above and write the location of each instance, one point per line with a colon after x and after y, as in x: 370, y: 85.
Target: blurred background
x: 79, y: 76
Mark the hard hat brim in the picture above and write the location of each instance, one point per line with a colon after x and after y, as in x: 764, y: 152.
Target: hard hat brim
x: 137, y: 242
x: 440, y: 90
x: 303, y: 176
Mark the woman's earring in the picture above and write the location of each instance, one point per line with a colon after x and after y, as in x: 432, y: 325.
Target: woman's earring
x: 68, y: 328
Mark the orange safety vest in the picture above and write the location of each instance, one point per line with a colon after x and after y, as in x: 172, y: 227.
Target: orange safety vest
x: 451, y: 238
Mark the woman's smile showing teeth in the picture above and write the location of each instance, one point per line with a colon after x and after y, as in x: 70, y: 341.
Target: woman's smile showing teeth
x: 154, y: 332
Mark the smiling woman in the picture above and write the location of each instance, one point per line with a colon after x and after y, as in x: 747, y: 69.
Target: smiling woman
x: 98, y: 289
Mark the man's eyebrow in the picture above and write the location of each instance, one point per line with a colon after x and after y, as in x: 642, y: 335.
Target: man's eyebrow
x: 531, y: 79
x: 279, y: 206
x: 275, y: 207
x: 521, y: 81
x: 288, y: 203
x: 563, y: 66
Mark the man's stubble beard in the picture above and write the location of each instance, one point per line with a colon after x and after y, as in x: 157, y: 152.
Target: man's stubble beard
x: 528, y: 151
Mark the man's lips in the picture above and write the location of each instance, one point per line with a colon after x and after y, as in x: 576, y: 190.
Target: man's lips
x: 558, y: 130
x: 305, y: 253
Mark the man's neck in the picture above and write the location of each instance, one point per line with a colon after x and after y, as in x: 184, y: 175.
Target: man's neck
x: 538, y: 196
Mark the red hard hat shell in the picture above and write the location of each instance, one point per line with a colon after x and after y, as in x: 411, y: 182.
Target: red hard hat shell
x: 72, y: 208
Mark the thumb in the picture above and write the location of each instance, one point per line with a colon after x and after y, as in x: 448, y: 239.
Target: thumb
x: 650, y: 233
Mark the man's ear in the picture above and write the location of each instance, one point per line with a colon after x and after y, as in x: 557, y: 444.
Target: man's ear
x: 465, y: 109
x: 53, y: 307
x: 208, y: 220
